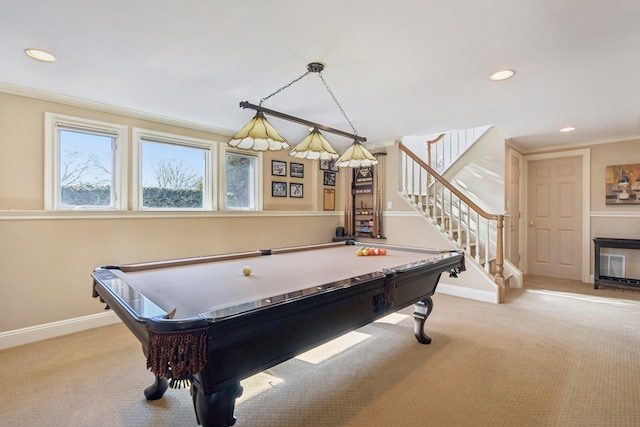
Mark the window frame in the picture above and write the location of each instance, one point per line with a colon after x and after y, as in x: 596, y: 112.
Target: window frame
x: 209, y: 191
x: 257, y: 179
x: 52, y: 191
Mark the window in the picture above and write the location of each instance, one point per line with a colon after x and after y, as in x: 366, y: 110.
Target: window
x: 86, y: 167
x: 171, y: 172
x: 240, y: 184
x: 83, y: 161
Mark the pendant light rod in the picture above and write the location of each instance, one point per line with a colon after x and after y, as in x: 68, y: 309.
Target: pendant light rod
x: 283, y: 116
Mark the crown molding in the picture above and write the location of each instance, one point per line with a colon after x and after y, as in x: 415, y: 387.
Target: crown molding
x: 112, y: 109
x: 578, y: 145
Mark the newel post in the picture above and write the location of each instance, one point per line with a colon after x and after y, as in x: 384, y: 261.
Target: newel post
x: 498, y: 276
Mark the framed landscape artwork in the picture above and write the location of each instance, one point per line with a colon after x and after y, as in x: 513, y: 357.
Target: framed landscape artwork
x: 623, y: 185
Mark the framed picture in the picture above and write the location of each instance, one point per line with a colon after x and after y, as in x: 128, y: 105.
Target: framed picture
x: 278, y: 168
x: 295, y: 190
x: 328, y: 165
x: 296, y: 170
x: 330, y: 178
x: 329, y: 200
x: 364, y: 174
x: 278, y: 189
x: 623, y: 185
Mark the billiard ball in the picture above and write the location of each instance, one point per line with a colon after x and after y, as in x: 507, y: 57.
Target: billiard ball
x: 246, y: 270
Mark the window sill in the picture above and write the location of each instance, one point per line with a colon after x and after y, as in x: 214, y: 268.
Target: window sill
x: 92, y: 214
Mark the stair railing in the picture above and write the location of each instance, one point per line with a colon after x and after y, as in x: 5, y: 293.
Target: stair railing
x: 478, y: 233
x: 447, y: 147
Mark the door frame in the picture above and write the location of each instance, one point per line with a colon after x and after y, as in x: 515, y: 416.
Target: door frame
x: 585, y: 155
x: 521, y: 206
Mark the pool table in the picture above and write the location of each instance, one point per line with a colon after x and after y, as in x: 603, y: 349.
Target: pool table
x: 204, y: 324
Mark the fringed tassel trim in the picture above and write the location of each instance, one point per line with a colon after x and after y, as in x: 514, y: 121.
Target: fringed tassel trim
x: 177, y: 354
x: 185, y: 383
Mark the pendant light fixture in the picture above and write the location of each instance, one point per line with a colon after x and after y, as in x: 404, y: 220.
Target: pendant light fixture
x: 314, y: 146
x: 356, y: 156
x: 260, y: 135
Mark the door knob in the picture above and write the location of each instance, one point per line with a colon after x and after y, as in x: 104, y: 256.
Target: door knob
x: 531, y: 224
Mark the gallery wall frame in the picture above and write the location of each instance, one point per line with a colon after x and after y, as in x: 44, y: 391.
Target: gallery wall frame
x: 329, y: 178
x: 278, y: 189
x: 278, y: 168
x: 296, y: 190
x: 328, y: 165
x: 296, y: 170
x: 329, y: 199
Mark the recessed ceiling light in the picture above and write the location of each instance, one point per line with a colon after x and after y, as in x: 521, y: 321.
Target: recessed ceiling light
x: 502, y: 75
x: 568, y: 129
x: 40, y: 55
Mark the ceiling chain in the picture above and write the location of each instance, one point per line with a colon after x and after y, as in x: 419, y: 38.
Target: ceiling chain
x: 284, y: 87
x: 355, y: 132
x: 314, y: 68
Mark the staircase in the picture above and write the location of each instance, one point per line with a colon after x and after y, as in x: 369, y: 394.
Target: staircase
x: 466, y: 225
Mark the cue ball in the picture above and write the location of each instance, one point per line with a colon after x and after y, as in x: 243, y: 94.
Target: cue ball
x: 246, y: 270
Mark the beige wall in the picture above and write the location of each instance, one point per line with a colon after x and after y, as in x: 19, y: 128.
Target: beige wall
x: 22, y: 144
x: 313, y: 185
x: 22, y: 155
x: 46, y: 258
x: 486, y: 159
x: 605, y: 220
x: 616, y: 221
x: 404, y: 226
x: 45, y: 264
x: 603, y: 155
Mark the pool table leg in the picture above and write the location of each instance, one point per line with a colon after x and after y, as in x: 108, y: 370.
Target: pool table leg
x: 216, y: 409
x: 157, y: 389
x: 422, y: 309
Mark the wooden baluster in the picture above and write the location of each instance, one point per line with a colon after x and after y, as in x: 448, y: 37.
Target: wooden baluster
x: 498, y: 277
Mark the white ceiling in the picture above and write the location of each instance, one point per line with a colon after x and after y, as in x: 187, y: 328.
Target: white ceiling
x: 399, y: 68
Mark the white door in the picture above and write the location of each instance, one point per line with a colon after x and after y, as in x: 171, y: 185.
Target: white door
x: 554, y: 218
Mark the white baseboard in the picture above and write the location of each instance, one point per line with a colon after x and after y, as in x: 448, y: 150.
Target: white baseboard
x: 468, y: 293
x: 31, y: 334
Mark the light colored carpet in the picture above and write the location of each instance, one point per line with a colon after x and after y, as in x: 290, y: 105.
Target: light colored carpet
x: 557, y: 353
